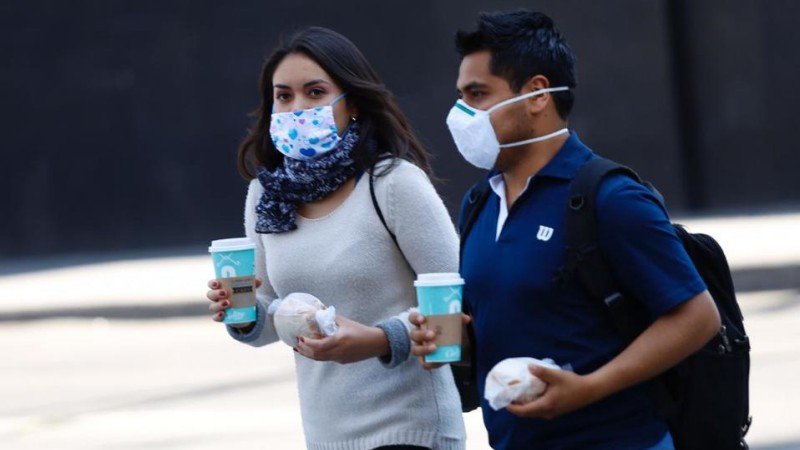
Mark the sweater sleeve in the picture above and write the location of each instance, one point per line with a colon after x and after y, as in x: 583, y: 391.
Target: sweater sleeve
x: 263, y: 332
x: 419, y: 219
x: 425, y: 234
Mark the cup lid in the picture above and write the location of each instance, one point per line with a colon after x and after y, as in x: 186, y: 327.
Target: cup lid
x: 232, y: 244
x: 439, y: 279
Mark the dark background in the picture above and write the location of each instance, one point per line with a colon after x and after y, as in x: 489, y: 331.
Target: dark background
x: 120, y: 120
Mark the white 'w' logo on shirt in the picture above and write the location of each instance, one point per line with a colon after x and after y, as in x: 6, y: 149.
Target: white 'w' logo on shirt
x: 545, y: 233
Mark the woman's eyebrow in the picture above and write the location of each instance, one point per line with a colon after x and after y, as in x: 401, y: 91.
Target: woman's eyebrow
x: 305, y: 85
x: 313, y: 82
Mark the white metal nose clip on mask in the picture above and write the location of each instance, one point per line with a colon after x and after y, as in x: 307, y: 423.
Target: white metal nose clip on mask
x: 473, y: 133
x: 306, y: 133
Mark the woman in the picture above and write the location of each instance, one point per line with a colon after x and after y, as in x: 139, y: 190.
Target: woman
x: 325, y: 126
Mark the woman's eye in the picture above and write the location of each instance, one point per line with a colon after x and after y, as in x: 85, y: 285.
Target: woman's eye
x: 282, y: 97
x: 316, y: 92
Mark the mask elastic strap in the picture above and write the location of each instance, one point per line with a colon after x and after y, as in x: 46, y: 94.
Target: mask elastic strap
x: 528, y: 95
x: 537, y: 139
x: 338, y: 97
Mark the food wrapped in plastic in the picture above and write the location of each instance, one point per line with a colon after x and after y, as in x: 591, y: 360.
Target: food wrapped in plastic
x: 300, y: 314
x: 510, y: 381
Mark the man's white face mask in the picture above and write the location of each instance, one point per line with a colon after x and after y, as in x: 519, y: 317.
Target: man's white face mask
x: 474, y: 135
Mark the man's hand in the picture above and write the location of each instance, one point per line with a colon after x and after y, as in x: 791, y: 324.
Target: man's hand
x: 352, y: 342
x: 422, y: 341
x: 566, y: 392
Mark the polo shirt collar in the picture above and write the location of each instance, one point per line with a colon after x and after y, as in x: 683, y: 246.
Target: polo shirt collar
x: 568, y: 161
x: 498, y: 184
x: 565, y: 165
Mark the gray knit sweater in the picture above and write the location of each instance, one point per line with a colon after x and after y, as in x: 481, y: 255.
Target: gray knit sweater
x: 347, y: 259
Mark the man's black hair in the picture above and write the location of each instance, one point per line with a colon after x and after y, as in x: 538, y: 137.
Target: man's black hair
x: 524, y: 44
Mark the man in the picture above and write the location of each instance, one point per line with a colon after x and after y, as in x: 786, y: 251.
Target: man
x: 519, y: 65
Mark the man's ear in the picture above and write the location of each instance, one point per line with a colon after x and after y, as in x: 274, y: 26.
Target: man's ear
x: 537, y: 103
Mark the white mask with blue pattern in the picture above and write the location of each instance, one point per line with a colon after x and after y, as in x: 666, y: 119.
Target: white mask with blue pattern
x: 307, y: 133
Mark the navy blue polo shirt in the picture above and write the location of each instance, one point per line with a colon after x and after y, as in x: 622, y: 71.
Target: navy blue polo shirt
x: 518, y: 310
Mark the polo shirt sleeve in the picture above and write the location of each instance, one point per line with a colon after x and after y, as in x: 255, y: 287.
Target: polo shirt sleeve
x: 641, y: 246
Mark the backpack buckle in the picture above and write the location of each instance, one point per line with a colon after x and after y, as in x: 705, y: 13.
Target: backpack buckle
x: 613, y: 301
x: 576, y: 202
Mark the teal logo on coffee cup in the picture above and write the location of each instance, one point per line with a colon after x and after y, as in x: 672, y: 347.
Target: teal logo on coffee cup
x: 240, y: 315
x: 439, y: 296
x: 234, y: 266
x: 435, y: 300
x: 230, y: 262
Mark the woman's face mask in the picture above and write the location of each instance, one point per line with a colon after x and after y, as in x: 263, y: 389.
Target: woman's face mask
x: 474, y: 135
x: 306, y: 133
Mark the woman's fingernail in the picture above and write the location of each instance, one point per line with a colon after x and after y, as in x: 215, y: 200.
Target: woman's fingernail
x: 222, y: 293
x: 302, y: 340
x: 295, y: 349
x: 226, y: 303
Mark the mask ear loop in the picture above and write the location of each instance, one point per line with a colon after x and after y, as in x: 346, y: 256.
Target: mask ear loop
x: 528, y: 95
x: 536, y: 139
x: 338, y: 97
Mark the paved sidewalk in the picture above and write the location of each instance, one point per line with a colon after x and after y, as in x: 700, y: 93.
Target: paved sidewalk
x: 183, y: 384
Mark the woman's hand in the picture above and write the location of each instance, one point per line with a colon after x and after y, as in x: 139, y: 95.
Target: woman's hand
x: 220, y: 302
x: 352, y: 342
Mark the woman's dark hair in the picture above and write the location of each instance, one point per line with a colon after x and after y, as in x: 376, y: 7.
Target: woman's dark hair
x: 524, y: 44
x: 378, y: 114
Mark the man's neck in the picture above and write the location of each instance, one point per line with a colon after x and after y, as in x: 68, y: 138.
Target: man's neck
x: 530, y: 159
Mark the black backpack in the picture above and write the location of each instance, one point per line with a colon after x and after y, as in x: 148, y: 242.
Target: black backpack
x: 705, y: 397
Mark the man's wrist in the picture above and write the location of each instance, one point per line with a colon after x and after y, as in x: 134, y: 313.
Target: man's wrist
x: 600, y: 385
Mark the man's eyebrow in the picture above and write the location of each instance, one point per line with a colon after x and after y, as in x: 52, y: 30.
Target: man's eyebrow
x: 473, y: 85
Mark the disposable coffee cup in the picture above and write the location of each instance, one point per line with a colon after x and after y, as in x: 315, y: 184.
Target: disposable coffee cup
x: 439, y: 297
x: 234, y: 267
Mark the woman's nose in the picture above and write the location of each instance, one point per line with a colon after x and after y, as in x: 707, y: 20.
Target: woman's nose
x: 299, y: 104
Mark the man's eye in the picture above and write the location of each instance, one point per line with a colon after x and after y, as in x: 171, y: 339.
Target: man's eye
x: 477, y: 94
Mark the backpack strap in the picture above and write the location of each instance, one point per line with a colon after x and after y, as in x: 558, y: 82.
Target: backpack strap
x: 584, y: 258
x: 476, y: 198
x: 466, y: 376
x: 378, y: 209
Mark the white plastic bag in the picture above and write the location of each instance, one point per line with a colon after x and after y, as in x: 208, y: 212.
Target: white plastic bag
x: 299, y: 314
x: 511, y: 381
